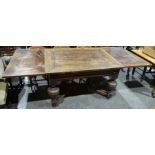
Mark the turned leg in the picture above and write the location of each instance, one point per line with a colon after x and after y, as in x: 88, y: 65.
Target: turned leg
x: 54, y: 91
x: 107, y: 91
x: 112, y: 85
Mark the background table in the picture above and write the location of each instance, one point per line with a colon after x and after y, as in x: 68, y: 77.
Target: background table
x: 139, y: 52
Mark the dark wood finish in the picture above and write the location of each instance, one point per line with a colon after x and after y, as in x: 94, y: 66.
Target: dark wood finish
x: 70, y: 63
x: 7, y: 50
x: 32, y: 62
x: 54, y: 94
x: 26, y: 63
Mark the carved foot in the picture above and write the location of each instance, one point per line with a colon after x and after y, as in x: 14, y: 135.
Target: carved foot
x: 54, y: 94
x: 112, y: 85
x: 105, y: 93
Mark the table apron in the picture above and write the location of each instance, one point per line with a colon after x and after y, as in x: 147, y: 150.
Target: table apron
x: 67, y: 76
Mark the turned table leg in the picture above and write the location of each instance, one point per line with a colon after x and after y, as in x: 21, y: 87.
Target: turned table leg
x: 107, y: 91
x: 54, y: 92
x: 111, y: 86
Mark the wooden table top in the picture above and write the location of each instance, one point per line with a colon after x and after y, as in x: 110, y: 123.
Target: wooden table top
x: 26, y: 63
x: 126, y: 58
x: 74, y: 60
x: 33, y: 62
x: 140, y: 53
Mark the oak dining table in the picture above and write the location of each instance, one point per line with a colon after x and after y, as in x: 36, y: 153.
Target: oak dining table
x: 64, y: 64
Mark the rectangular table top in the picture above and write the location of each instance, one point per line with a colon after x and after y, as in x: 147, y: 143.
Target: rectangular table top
x: 74, y: 60
x: 33, y: 62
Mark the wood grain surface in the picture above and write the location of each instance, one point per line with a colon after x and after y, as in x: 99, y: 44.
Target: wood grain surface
x: 75, y: 60
x: 26, y: 62
x: 126, y: 58
x: 32, y: 62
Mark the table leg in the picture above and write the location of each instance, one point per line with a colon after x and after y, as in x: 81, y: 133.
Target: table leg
x: 133, y: 71
x: 20, y: 81
x: 128, y: 74
x: 107, y: 91
x: 54, y: 92
x: 110, y: 86
x: 143, y: 75
x: 10, y: 83
x: 33, y: 84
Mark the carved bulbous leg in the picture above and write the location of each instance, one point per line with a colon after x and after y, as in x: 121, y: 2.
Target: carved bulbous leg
x: 54, y: 94
x: 112, y: 85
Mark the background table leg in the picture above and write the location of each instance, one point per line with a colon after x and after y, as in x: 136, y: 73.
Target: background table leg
x: 128, y: 74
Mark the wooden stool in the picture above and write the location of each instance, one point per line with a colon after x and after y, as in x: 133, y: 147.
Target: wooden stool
x: 54, y: 94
